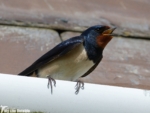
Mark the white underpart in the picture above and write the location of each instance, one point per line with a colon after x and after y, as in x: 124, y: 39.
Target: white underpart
x: 68, y: 67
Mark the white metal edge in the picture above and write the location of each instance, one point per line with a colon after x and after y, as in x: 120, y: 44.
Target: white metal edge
x: 32, y: 93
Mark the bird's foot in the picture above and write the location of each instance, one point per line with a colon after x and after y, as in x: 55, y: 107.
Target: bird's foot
x: 50, y: 81
x: 80, y: 84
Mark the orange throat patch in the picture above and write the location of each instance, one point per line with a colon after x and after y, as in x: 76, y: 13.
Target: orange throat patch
x: 103, y: 40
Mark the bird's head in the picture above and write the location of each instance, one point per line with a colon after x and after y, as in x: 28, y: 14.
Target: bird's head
x: 98, y: 36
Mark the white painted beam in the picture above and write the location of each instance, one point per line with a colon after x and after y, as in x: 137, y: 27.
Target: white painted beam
x: 32, y: 93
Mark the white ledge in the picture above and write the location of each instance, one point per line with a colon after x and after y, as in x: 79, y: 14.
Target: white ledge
x: 32, y: 93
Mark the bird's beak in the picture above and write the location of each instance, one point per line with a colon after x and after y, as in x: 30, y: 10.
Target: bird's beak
x: 109, y: 32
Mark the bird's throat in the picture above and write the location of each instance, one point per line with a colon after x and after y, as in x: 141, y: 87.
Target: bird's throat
x: 102, y: 41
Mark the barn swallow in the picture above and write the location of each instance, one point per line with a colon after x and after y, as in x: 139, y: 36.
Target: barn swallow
x: 74, y: 58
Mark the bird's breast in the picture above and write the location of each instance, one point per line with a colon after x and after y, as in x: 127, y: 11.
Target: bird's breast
x: 70, y: 66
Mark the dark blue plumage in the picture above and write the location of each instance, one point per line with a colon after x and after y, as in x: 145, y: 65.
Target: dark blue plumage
x: 84, y: 53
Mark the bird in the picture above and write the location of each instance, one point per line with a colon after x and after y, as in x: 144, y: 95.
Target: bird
x: 74, y: 58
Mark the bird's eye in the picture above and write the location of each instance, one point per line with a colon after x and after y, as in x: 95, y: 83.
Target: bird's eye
x: 98, y: 29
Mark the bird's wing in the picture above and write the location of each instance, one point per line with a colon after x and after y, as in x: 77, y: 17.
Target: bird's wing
x: 56, y: 52
x: 92, y: 68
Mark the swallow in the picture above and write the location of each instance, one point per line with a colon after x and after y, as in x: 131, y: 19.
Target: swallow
x: 74, y: 58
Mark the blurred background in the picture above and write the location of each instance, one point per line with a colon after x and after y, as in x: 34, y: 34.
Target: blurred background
x: 30, y: 28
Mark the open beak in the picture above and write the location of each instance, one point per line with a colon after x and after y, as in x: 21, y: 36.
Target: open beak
x: 109, y: 32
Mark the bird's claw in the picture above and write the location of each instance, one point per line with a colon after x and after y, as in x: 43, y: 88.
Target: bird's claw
x: 50, y: 81
x: 79, y: 85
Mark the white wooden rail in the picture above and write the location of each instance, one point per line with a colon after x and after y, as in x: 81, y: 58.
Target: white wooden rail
x: 32, y: 93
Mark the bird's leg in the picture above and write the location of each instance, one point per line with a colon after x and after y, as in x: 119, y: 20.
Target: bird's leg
x: 50, y: 81
x: 80, y: 84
